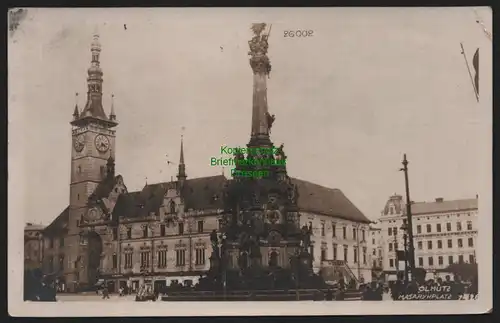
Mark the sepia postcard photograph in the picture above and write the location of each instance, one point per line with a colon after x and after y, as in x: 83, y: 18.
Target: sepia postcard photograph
x: 249, y: 161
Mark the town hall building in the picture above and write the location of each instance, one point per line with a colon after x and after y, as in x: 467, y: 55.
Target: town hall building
x: 160, y: 234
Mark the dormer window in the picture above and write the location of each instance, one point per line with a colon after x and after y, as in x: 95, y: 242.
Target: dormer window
x: 172, y: 207
x: 392, y: 210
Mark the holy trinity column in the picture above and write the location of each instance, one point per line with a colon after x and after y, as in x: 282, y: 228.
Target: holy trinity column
x: 261, y: 67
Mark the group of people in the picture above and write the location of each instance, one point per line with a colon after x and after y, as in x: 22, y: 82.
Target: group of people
x: 456, y: 287
x: 39, y: 287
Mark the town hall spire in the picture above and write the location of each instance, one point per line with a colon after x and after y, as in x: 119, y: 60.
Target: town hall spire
x: 93, y: 107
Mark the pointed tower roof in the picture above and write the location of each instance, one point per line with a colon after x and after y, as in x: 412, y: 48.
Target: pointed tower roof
x: 76, y: 112
x: 181, y: 161
x: 112, y: 115
x: 93, y: 109
x: 182, y: 167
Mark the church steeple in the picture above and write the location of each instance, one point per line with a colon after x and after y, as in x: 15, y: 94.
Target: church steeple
x: 181, y: 175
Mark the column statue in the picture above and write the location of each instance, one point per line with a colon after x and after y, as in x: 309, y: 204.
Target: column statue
x: 270, y: 120
x: 258, y: 50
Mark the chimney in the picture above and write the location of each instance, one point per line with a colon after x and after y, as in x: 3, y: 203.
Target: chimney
x: 477, y: 196
x: 439, y: 199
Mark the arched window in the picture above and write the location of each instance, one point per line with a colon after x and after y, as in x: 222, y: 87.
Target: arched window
x: 273, y: 259
x: 172, y: 207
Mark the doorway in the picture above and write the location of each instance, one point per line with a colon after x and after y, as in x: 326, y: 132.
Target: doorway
x: 94, y: 257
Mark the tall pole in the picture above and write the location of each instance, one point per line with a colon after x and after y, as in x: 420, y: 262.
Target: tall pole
x: 359, y: 253
x: 190, y: 243
x: 119, y: 256
x: 470, y: 74
x: 411, y: 251
x: 405, y: 241
x: 397, y: 260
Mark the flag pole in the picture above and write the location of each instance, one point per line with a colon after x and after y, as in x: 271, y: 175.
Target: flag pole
x: 485, y: 30
x: 470, y: 74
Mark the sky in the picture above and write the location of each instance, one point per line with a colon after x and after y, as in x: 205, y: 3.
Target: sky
x: 367, y: 87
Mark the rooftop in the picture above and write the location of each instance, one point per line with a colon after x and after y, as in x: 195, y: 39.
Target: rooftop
x: 442, y: 206
x: 33, y: 227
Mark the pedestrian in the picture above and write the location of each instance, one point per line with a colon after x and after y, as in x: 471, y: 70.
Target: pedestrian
x: 447, y: 281
x: 105, y: 293
x: 457, y: 288
x: 398, y: 288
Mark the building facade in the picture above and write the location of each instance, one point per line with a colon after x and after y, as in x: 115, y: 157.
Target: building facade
x: 376, y: 248
x: 160, y: 234
x: 445, y: 233
x: 33, y: 245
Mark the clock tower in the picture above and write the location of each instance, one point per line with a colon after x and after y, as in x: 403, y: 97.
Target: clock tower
x: 93, y: 144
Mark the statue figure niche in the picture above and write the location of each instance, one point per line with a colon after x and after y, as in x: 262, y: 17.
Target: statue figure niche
x: 293, y: 193
x: 215, y: 243
x: 270, y: 121
x: 306, y: 233
x: 273, y: 259
x: 171, y: 215
x: 280, y: 154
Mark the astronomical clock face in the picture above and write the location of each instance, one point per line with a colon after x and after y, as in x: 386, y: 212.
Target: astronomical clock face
x: 273, y: 216
x: 79, y: 143
x: 102, y: 143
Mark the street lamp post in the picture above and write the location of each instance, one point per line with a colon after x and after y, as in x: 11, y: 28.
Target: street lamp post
x: 411, y: 249
x: 223, y: 261
x: 405, y: 246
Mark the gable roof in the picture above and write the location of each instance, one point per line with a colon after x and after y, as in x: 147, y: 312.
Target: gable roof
x: 443, y: 206
x: 104, y: 188
x: 199, y: 194
x: 59, y: 223
x: 315, y: 198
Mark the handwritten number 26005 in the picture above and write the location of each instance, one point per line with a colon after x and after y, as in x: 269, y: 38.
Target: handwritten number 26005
x: 298, y: 33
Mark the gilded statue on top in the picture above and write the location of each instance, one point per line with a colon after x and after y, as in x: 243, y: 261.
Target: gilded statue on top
x: 258, y: 49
